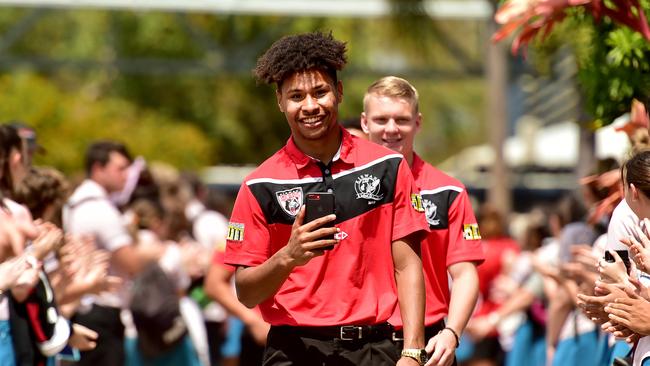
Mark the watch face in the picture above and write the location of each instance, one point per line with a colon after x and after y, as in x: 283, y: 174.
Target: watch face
x: 423, y: 357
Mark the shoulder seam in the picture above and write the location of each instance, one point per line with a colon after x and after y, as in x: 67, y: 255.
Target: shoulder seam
x: 441, y: 189
x: 364, y: 166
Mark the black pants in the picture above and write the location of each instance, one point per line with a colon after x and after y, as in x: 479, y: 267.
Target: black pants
x: 110, y: 343
x: 287, y: 347
x: 216, y: 332
x: 252, y: 353
x: 429, y: 332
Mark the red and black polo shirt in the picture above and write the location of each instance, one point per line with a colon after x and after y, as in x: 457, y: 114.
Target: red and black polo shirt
x: 454, y: 235
x: 376, y: 204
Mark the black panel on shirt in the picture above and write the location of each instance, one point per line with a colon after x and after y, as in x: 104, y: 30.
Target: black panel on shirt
x: 436, y: 208
x: 355, y: 193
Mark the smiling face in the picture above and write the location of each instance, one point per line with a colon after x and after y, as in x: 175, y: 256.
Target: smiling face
x: 309, y: 99
x: 391, y: 122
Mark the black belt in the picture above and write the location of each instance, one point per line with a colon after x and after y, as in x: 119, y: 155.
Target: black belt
x: 429, y: 331
x: 344, y: 333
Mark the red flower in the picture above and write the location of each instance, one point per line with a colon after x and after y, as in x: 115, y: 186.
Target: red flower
x: 530, y: 17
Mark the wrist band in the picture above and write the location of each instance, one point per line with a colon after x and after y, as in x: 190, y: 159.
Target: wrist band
x: 455, y: 335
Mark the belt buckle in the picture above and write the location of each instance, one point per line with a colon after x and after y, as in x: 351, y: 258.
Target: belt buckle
x: 396, y: 338
x: 346, y: 328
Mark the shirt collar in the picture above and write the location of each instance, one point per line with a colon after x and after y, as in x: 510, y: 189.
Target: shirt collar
x: 418, y: 164
x: 301, y: 159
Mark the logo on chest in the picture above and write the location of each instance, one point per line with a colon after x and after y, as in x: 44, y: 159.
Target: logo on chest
x: 290, y: 200
x: 431, y: 211
x: 367, y: 187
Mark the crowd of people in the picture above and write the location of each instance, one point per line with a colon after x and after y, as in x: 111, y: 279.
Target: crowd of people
x: 138, y: 264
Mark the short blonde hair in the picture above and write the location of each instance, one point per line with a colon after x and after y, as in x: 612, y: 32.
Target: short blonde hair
x: 393, y: 87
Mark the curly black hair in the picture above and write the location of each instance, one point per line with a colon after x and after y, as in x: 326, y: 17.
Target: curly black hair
x: 300, y: 52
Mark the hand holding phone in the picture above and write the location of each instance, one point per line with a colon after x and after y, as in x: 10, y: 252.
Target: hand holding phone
x: 612, y: 270
x: 624, y: 254
x: 317, y: 205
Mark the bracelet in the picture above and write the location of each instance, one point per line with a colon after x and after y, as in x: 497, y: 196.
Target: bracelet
x: 454, y: 333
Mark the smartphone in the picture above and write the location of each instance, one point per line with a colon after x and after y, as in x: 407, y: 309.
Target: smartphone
x: 317, y: 205
x: 621, y: 253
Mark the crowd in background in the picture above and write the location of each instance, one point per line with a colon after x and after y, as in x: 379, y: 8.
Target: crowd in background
x: 130, y: 244
x: 563, y: 284
x: 569, y: 286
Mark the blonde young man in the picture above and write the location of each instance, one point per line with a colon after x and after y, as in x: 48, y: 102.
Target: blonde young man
x: 391, y: 118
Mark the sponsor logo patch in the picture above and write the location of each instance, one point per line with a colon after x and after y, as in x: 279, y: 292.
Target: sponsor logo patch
x: 340, y: 235
x: 416, y: 202
x: 235, y: 231
x: 431, y: 211
x: 367, y: 186
x: 471, y: 232
x: 290, y: 200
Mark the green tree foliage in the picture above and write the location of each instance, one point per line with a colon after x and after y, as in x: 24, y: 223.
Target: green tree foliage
x: 67, y: 122
x: 613, y: 63
x: 193, y: 72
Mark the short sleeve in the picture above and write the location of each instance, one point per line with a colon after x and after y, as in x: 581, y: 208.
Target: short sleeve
x: 104, y: 222
x: 621, y: 226
x: 248, y: 238
x: 408, y: 213
x: 464, y: 235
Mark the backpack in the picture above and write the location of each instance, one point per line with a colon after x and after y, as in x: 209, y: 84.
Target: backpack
x: 156, y: 312
x: 37, y: 328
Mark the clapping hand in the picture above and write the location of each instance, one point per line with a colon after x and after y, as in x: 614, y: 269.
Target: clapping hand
x: 639, y: 245
x: 613, y: 272
x: 631, y: 311
x: 11, y: 270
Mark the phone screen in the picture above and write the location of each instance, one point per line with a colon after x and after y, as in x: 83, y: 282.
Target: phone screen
x: 621, y: 253
x: 319, y: 204
x: 625, y: 256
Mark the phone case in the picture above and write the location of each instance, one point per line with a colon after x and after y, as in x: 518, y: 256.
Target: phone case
x: 319, y: 204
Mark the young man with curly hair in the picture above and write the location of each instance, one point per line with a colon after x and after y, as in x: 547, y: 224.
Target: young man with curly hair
x: 327, y: 306
x: 391, y: 118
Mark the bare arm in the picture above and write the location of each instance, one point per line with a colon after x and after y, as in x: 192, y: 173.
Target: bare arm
x: 256, y: 284
x: 558, y: 309
x: 217, y: 287
x: 131, y: 259
x: 410, y: 289
x: 520, y: 300
x: 464, y: 293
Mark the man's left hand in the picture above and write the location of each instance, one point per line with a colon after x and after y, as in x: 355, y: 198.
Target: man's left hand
x: 441, y: 348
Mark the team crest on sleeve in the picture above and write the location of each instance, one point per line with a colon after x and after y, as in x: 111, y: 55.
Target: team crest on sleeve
x: 290, y: 200
x: 235, y: 231
x: 471, y: 232
x: 367, y: 186
x: 416, y: 202
x: 431, y: 212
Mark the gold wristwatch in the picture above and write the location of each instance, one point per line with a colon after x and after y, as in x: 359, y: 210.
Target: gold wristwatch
x: 418, y: 354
